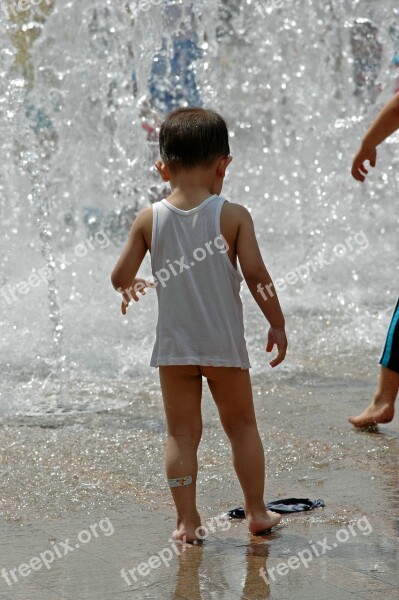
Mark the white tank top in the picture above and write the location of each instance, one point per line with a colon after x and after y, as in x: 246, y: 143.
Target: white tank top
x: 200, y: 319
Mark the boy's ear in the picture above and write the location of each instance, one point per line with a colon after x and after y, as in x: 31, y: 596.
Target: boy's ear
x: 223, y: 164
x: 162, y: 170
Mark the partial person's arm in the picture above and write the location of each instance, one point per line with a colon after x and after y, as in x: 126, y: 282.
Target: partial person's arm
x: 261, y: 286
x: 124, y: 274
x: 384, y: 125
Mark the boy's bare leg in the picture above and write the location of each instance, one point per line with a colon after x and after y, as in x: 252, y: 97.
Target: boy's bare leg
x: 382, y: 409
x: 232, y: 392
x: 182, y: 391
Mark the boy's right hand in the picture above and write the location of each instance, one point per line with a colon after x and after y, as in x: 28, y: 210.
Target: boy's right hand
x: 138, y: 287
x: 277, y: 337
x: 359, y: 171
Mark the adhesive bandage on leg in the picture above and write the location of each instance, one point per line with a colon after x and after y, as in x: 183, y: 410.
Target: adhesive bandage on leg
x: 180, y: 481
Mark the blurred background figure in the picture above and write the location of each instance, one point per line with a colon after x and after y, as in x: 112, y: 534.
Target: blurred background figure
x: 367, y: 53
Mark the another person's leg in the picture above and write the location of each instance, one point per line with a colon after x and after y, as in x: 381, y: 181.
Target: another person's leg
x: 182, y: 391
x: 382, y: 409
x: 232, y: 392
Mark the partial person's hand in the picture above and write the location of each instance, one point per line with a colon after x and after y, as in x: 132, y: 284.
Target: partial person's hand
x: 359, y: 170
x: 277, y: 337
x: 138, y: 287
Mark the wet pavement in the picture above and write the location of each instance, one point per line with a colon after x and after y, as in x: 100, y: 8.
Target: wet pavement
x: 229, y: 565
x: 95, y: 480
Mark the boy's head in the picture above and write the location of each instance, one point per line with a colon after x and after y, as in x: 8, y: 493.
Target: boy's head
x: 193, y: 137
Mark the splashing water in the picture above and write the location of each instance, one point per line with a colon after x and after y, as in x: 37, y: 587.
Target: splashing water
x: 83, y: 89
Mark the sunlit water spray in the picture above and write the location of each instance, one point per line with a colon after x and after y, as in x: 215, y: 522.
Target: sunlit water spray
x: 84, y: 88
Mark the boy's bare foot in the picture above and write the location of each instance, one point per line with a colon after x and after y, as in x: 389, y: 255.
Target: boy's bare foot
x: 185, y: 531
x: 374, y: 414
x: 262, y: 521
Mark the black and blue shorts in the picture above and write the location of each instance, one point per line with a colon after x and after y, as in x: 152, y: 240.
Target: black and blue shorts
x: 390, y: 357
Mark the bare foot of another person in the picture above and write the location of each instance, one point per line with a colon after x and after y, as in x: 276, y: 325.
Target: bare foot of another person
x: 262, y: 521
x: 374, y: 414
x: 382, y: 408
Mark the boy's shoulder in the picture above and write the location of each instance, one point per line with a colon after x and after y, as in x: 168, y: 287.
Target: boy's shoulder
x: 144, y: 217
x: 231, y: 211
x: 143, y: 224
x: 236, y: 212
x: 145, y: 213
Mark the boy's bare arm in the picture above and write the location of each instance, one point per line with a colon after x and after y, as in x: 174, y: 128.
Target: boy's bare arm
x: 124, y: 274
x: 383, y: 126
x: 260, y: 284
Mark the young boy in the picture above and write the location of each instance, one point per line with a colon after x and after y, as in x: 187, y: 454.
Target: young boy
x: 382, y: 408
x: 195, y: 238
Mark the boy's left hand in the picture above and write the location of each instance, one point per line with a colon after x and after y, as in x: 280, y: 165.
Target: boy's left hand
x: 129, y: 294
x: 277, y: 337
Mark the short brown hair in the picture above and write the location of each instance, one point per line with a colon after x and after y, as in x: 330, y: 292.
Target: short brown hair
x: 190, y: 137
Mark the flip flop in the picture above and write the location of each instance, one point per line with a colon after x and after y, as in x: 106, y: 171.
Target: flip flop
x: 287, y: 505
